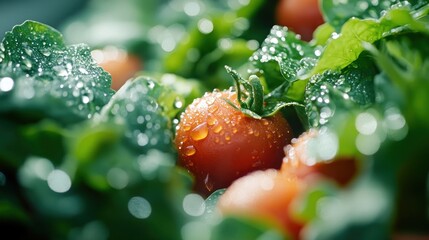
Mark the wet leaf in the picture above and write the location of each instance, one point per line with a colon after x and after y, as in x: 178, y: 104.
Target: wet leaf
x: 345, y: 47
x: 283, y: 57
x: 343, y: 90
x: 141, y: 106
x: 48, y: 78
x: 338, y: 12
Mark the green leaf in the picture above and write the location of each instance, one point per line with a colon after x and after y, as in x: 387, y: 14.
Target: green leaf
x: 179, y: 92
x: 48, y: 78
x: 283, y: 57
x: 334, y: 91
x: 346, y: 46
x: 405, y: 65
x: 212, y: 200
x: 142, y: 107
x: 336, y: 12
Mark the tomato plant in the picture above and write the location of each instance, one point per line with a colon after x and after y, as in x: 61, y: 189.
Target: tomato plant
x: 301, y: 16
x: 302, y: 160
x: 267, y: 195
x: 218, y: 143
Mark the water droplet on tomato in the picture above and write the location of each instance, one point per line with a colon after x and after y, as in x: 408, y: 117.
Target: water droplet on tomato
x: 186, y: 127
x: 227, y: 137
x: 217, y: 128
x: 190, y: 150
x: 210, y: 100
x: 211, y: 120
x: 199, y: 132
x: 265, y: 122
x: 213, y: 108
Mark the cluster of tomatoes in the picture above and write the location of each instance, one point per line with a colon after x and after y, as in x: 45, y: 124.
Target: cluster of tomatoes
x: 259, y: 162
x: 263, y: 168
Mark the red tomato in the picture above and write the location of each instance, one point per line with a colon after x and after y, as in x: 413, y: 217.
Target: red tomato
x: 266, y: 195
x: 301, y: 16
x: 218, y: 143
x: 341, y: 169
x: 120, y: 64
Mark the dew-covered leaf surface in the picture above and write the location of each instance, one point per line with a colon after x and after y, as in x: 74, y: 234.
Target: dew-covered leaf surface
x: 340, y: 90
x: 346, y: 45
x: 283, y: 57
x: 337, y: 12
x: 141, y: 105
x: 41, y: 76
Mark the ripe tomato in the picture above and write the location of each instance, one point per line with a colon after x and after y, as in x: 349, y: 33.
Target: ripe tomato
x: 341, y: 169
x: 301, y: 16
x: 218, y: 143
x: 120, y: 64
x: 271, y: 194
x: 265, y: 194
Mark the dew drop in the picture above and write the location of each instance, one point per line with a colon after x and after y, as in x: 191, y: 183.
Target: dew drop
x: 200, y: 132
x: 83, y: 70
x: 227, y: 137
x: 210, y: 100
x: 87, y: 96
x: 211, y: 120
x: 217, y: 128
x: 61, y: 71
x: 46, y: 52
x: 213, y: 108
x: 27, y: 63
x: 190, y: 150
x: 186, y: 127
x: 265, y: 122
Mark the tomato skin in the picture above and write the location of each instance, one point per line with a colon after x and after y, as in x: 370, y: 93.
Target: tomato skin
x: 218, y: 143
x: 342, y: 169
x: 267, y: 195
x: 301, y: 16
x: 120, y: 64
x: 271, y: 194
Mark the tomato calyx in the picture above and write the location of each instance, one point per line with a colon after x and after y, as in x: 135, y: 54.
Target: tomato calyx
x: 251, y: 98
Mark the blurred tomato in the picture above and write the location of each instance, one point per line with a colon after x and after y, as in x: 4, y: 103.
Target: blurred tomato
x: 265, y: 194
x: 120, y: 64
x: 301, y: 159
x: 301, y: 16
